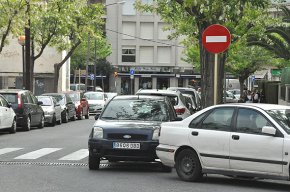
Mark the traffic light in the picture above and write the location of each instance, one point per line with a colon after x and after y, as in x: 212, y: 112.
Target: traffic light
x: 115, y: 74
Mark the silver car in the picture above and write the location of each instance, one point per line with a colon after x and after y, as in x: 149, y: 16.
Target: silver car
x: 177, y: 99
x: 52, y: 110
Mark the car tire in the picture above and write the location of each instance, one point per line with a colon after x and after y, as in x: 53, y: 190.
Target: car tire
x: 59, y: 121
x: 166, y: 169
x: 41, y: 124
x: 94, y: 162
x: 65, y: 118
x: 53, y: 122
x: 80, y: 117
x: 188, y: 166
x: 13, y: 127
x: 27, y: 125
x: 88, y: 114
x: 74, y: 117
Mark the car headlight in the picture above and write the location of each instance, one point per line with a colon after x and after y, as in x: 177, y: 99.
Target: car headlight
x: 97, y: 133
x: 156, y: 131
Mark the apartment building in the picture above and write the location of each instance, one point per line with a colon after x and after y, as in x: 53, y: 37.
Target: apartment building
x: 142, y: 54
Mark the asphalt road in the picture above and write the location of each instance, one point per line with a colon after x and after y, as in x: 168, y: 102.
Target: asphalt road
x: 54, y: 159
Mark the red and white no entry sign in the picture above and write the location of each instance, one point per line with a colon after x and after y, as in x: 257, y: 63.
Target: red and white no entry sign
x: 216, y: 38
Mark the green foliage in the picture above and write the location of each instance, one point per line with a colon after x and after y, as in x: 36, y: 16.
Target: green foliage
x: 276, y: 37
x: 11, y: 19
x: 244, y: 61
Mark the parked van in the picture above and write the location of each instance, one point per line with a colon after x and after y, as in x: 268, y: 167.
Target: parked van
x: 78, y: 87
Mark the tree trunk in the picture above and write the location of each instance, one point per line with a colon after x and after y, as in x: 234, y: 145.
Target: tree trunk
x: 56, y: 77
x: 241, y: 81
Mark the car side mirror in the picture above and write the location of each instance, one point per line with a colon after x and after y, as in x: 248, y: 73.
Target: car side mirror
x: 39, y: 103
x: 97, y: 116
x: 269, y: 130
x: 9, y: 105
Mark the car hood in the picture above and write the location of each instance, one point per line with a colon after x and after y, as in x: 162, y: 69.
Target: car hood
x: 126, y: 124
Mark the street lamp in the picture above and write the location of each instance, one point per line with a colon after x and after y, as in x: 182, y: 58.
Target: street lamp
x: 21, y: 41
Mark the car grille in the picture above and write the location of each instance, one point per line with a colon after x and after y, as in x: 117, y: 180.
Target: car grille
x: 138, y: 137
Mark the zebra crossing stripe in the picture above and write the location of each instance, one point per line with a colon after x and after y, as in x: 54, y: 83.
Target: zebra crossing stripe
x: 8, y: 150
x: 78, y: 155
x: 38, y: 153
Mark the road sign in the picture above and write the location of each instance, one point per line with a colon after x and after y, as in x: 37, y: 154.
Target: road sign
x: 132, y: 72
x: 216, y: 38
x: 92, y: 76
x: 253, y: 78
x: 131, y: 76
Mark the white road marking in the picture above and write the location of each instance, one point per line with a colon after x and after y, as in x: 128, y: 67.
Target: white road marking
x: 78, y: 155
x: 216, y: 39
x: 8, y: 150
x: 38, y: 153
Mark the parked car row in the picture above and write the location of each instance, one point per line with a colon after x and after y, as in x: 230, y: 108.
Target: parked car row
x: 20, y: 108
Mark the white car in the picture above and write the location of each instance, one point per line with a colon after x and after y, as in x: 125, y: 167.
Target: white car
x: 7, y: 116
x: 177, y: 99
x: 96, y: 101
x: 243, y: 139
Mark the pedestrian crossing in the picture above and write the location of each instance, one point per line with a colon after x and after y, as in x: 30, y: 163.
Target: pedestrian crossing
x: 15, y: 153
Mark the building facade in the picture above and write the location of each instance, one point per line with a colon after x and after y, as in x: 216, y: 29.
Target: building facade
x: 142, y: 55
x: 11, y: 70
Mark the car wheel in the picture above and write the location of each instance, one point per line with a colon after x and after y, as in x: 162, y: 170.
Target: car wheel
x: 41, y: 124
x: 53, y: 122
x: 80, y: 117
x: 59, y: 121
x: 65, y: 118
x: 27, y: 126
x: 166, y: 169
x: 13, y: 126
x: 94, y: 162
x: 88, y: 114
x: 74, y: 117
x: 188, y: 166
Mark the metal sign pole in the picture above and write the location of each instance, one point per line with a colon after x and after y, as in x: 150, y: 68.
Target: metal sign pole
x: 215, y: 78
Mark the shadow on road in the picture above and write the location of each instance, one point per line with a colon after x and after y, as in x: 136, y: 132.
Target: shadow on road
x: 245, y: 183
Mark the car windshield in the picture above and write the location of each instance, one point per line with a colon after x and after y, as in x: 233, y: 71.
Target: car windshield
x: 11, y: 97
x: 75, y: 97
x: 46, y: 101
x: 94, y: 96
x: 59, y: 99
x: 282, y: 117
x: 145, y: 110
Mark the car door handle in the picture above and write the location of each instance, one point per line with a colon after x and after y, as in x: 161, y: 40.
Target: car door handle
x: 194, y: 133
x: 235, y: 137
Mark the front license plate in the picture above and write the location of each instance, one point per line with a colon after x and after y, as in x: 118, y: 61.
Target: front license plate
x: 118, y: 145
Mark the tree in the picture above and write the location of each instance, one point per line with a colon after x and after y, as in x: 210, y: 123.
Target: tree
x: 79, y: 57
x: 276, y: 38
x: 11, y: 12
x: 244, y: 61
x: 63, y: 25
x: 192, y: 17
x: 81, y: 20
